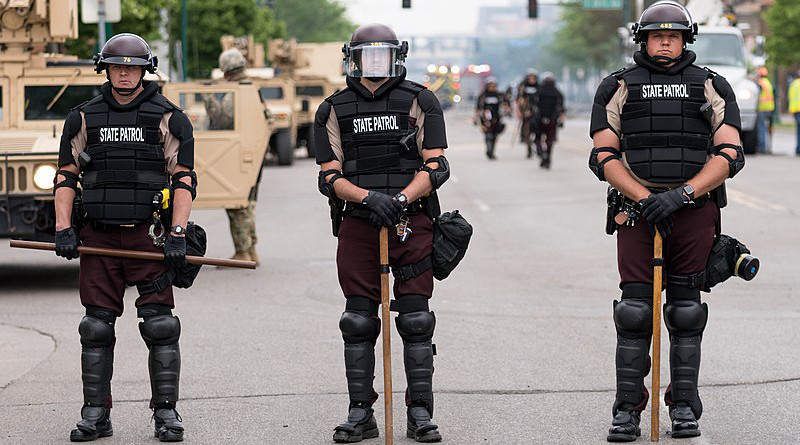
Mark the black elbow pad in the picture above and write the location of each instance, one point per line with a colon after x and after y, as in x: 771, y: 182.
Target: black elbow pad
x: 441, y: 174
x: 178, y: 184
x: 70, y: 180
x: 735, y: 165
x: 325, y: 186
x: 597, y: 166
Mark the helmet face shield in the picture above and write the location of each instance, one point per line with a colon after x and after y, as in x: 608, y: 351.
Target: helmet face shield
x: 374, y: 59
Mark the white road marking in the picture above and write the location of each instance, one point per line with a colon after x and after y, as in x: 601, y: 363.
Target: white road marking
x: 754, y: 202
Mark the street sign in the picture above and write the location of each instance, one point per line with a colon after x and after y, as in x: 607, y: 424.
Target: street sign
x: 89, y: 8
x: 603, y: 4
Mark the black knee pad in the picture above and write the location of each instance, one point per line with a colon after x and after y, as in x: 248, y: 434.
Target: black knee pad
x: 633, y: 318
x: 160, y: 330
x: 685, y: 318
x: 416, y: 326
x: 96, y: 332
x: 358, y: 327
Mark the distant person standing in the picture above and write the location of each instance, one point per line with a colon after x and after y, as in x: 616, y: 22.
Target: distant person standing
x: 488, y: 114
x: 528, y: 108
x: 551, y: 111
x: 766, y: 106
x: 794, y: 107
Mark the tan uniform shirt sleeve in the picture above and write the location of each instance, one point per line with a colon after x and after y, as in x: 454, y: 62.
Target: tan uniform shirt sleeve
x: 418, y: 115
x: 78, y: 143
x: 334, y: 135
x: 717, y: 105
x: 614, y: 107
x: 169, y: 142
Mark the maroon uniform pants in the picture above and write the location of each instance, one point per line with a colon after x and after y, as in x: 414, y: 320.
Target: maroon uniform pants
x: 103, y: 279
x: 358, y: 257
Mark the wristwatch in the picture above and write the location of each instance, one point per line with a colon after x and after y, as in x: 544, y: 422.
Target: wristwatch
x: 402, y: 199
x: 178, y: 230
x: 688, y: 191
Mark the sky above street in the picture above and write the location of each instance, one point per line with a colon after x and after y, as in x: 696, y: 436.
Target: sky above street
x: 426, y: 17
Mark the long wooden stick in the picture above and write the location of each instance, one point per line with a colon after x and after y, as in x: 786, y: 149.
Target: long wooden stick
x: 658, y: 263
x: 387, y: 340
x: 136, y: 254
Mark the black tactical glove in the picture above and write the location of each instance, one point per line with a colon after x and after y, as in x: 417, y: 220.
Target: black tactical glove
x: 386, y: 211
x: 659, y: 207
x: 67, y: 243
x: 175, y: 251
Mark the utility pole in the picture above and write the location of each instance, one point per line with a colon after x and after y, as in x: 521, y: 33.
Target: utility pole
x: 101, y: 23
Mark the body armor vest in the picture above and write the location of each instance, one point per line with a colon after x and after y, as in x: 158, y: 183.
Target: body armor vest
x: 491, y: 102
x: 528, y: 92
x: 549, y: 102
x: 665, y: 136
x: 127, y: 165
x: 372, y: 136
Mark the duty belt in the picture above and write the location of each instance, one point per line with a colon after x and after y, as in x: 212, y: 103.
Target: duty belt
x: 109, y: 227
x: 363, y: 212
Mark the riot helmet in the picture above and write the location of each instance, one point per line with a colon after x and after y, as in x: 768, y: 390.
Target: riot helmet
x: 232, y: 62
x: 126, y: 49
x: 491, y: 84
x: 548, y: 78
x: 665, y: 15
x: 530, y: 72
x: 374, y: 53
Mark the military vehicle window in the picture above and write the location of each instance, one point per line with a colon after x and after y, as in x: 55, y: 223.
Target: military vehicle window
x: 45, y: 102
x: 310, y: 90
x: 718, y: 49
x: 271, y: 93
x: 209, y: 111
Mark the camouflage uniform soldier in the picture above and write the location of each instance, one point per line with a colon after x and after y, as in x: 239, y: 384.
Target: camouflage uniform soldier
x: 243, y: 220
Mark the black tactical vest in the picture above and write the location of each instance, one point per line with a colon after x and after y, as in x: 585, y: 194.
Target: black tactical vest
x: 528, y: 92
x: 127, y: 164
x: 665, y: 137
x: 371, y: 133
x: 491, y: 102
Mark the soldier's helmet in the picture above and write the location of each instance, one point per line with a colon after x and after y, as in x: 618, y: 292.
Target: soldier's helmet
x: 374, y: 52
x: 231, y: 60
x: 126, y: 49
x: 666, y: 15
x: 548, y: 78
x: 491, y: 80
x: 531, y: 72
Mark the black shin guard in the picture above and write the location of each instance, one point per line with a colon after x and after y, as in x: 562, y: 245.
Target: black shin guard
x: 97, y: 365
x: 416, y: 329
x: 633, y: 318
x: 685, y: 317
x: 161, y: 331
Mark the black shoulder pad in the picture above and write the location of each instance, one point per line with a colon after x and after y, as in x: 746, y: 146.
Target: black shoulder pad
x: 323, y: 113
x: 414, y: 85
x: 428, y: 102
x: 337, y: 93
x: 732, y: 114
x: 72, y: 126
x: 164, y: 102
x: 712, y: 72
x: 92, y: 101
x: 599, y: 120
x: 181, y: 128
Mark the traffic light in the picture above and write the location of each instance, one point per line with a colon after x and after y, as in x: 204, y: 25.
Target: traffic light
x: 406, y: 4
x: 533, y: 11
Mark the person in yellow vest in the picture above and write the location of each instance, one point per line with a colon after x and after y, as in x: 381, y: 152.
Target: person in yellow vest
x: 766, y: 106
x: 794, y: 107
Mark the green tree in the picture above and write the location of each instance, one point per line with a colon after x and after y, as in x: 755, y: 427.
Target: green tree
x: 314, y: 20
x: 211, y: 19
x: 783, y: 20
x: 138, y: 17
x: 588, y: 38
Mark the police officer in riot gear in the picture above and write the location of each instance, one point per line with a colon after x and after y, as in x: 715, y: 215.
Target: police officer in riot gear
x: 124, y: 147
x: 551, y: 111
x: 380, y: 146
x: 489, y: 109
x: 666, y: 135
x: 528, y: 108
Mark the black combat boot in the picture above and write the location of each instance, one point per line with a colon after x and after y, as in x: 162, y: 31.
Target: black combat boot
x: 168, y: 427
x: 360, y: 425
x: 684, y: 423
x: 420, y: 427
x: 625, y: 426
x: 95, y: 423
x: 97, y: 367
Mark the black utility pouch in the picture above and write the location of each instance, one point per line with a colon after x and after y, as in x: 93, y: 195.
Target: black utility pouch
x: 451, y: 235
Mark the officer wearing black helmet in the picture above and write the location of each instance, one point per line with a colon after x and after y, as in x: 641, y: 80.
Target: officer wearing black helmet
x: 124, y: 147
x: 666, y: 135
x: 528, y: 108
x: 551, y: 113
x: 380, y: 146
x: 489, y: 110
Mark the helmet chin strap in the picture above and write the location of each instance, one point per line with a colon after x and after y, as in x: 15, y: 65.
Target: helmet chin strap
x: 663, y: 60
x: 125, y: 92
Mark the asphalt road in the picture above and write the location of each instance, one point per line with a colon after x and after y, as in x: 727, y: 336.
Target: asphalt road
x: 524, y: 329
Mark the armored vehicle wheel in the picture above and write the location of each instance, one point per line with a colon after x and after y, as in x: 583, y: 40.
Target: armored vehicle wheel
x: 283, y: 147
